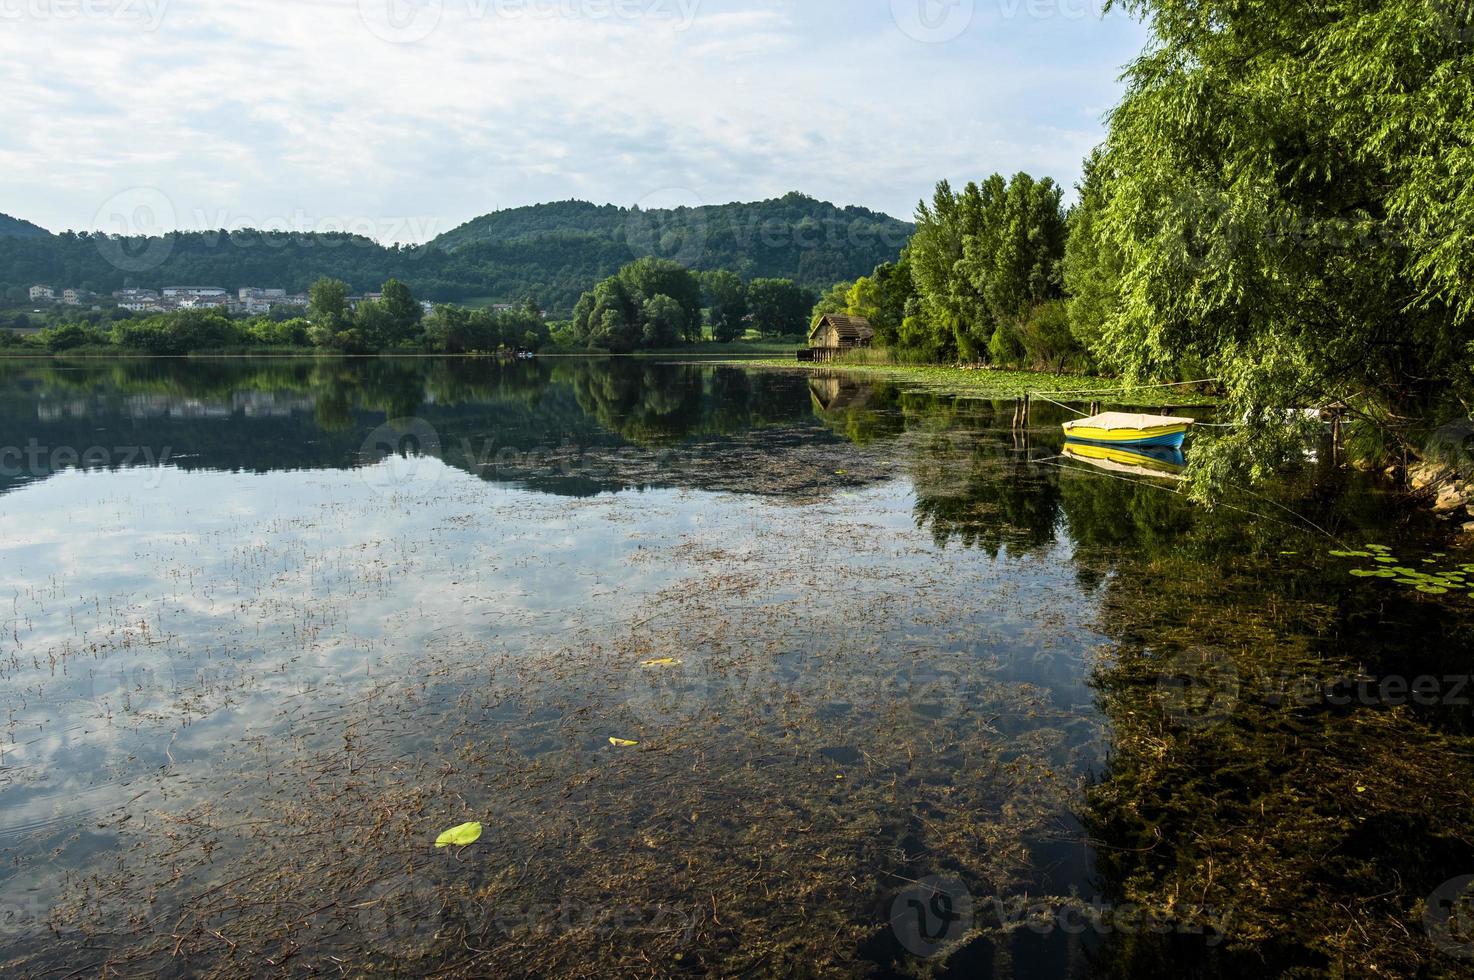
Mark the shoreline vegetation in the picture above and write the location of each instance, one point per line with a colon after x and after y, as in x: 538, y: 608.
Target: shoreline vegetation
x: 994, y: 383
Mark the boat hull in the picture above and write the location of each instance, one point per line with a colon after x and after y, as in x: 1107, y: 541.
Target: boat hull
x: 1170, y: 437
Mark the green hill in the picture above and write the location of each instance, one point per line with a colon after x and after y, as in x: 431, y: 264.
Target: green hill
x: 570, y: 245
x: 548, y: 252
x: 16, y: 228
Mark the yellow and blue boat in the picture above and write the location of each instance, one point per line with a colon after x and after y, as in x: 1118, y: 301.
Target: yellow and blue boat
x: 1126, y: 429
x: 1155, y: 461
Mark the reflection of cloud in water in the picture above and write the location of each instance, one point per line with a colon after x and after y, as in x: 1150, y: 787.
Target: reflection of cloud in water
x: 299, y: 612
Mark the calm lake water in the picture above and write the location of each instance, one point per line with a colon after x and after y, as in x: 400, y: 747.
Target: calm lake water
x: 909, y: 690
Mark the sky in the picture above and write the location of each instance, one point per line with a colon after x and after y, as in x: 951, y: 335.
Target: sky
x: 400, y: 119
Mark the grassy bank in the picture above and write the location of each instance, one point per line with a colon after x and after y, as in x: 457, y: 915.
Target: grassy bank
x: 987, y: 383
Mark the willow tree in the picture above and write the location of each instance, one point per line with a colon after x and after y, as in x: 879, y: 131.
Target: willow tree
x: 1291, y: 193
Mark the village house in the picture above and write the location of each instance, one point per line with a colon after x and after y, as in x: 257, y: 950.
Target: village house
x: 181, y: 292
x: 42, y: 294
x: 836, y: 333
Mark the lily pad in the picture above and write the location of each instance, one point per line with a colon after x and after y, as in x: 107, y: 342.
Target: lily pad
x: 466, y: 833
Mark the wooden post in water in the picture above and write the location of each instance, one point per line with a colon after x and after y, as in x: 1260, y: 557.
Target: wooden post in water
x: 1336, y: 435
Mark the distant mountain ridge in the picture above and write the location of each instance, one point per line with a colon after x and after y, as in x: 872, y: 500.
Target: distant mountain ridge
x: 550, y: 253
x: 16, y: 228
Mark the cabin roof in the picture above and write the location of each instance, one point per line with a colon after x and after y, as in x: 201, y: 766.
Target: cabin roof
x: 847, y: 327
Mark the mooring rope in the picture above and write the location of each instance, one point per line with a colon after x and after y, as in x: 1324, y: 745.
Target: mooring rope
x: 1107, y: 391
x: 1061, y: 405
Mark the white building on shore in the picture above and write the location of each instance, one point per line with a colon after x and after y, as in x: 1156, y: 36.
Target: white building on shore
x: 183, y: 292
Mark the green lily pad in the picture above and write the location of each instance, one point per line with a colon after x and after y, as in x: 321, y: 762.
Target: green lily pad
x: 1351, y: 554
x: 1433, y: 589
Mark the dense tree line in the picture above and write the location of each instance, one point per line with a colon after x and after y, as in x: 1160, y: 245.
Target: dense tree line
x: 394, y: 322
x: 549, y: 252
x: 653, y: 303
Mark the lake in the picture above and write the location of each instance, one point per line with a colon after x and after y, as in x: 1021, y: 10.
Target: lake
x: 906, y: 688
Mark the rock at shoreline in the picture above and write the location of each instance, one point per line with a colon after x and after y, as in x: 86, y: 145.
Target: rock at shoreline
x: 1451, y: 497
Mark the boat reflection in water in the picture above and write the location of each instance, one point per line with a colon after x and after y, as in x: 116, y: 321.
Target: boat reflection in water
x: 1154, y: 461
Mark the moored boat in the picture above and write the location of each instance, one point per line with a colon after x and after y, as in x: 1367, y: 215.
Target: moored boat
x: 1128, y: 429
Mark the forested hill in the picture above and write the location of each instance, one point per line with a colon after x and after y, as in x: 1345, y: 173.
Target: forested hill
x: 793, y: 237
x: 551, y: 253
x: 16, y: 228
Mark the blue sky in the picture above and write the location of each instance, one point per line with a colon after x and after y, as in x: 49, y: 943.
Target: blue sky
x: 402, y: 118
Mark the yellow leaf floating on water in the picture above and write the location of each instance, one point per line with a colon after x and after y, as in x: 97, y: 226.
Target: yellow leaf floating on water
x: 662, y: 662
x: 466, y: 833
x: 622, y: 743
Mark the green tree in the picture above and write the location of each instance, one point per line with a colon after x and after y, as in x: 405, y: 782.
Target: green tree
x: 882, y: 298
x: 726, y: 296
x: 647, y: 278
x: 665, y: 321
x: 836, y: 299
x: 403, y: 314
x: 1289, y: 193
x: 327, y: 309
x: 1092, y: 263
x: 780, y: 307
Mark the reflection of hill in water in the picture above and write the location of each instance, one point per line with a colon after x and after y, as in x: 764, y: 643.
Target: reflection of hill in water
x: 573, y: 428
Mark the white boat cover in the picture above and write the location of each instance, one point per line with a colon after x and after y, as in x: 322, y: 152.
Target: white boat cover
x: 1125, y: 420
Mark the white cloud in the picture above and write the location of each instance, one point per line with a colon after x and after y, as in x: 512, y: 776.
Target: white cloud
x: 297, y: 112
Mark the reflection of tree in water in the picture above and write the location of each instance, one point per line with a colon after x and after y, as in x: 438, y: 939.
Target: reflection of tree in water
x: 974, y: 488
x: 1250, y: 782
x: 1238, y: 786
x: 644, y: 403
x: 661, y: 404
